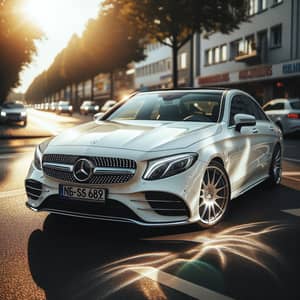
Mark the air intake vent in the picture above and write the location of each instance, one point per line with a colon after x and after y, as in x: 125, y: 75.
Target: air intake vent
x: 33, y: 189
x: 167, y: 204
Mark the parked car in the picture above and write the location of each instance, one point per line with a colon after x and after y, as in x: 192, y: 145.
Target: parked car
x: 108, y: 105
x: 285, y: 113
x: 53, y: 106
x: 89, y: 107
x: 64, y: 107
x: 162, y: 158
x: 13, y: 112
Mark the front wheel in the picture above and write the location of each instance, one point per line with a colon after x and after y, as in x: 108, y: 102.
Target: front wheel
x: 214, y: 195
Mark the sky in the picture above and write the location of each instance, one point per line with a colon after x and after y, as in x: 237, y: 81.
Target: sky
x: 59, y: 19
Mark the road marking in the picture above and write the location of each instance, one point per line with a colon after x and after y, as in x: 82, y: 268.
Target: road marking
x: 12, y: 155
x: 181, y: 285
x: 291, y: 173
x: 12, y: 193
x: 294, y: 212
x: 291, y: 159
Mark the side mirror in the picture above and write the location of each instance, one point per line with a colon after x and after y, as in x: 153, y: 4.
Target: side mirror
x: 241, y: 120
x: 98, y: 116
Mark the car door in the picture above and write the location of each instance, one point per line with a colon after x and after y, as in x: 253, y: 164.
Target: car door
x: 264, y: 140
x: 243, y: 160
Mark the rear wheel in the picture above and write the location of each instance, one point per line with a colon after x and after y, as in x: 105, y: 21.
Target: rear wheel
x: 214, y: 195
x: 275, y: 167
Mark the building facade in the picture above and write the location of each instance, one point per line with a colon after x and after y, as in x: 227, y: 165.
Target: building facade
x: 261, y: 57
x: 156, y: 70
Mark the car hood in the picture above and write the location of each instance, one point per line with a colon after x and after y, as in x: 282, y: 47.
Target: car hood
x: 136, y: 135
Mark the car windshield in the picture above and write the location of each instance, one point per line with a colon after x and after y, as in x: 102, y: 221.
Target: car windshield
x: 13, y: 105
x: 171, y: 106
x: 63, y: 103
x: 295, y: 104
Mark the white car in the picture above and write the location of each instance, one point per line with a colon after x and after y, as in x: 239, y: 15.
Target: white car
x: 162, y: 158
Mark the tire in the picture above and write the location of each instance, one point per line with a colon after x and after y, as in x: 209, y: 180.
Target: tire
x: 275, y: 170
x: 214, y: 196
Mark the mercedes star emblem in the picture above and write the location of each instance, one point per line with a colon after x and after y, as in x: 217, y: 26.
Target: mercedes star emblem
x: 83, y: 170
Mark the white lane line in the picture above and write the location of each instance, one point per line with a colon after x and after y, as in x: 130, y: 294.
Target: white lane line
x: 291, y: 159
x: 13, y: 155
x: 294, y: 212
x: 12, y: 193
x: 291, y: 173
x: 181, y: 285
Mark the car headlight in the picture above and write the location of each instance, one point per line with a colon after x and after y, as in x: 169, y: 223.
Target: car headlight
x: 97, y: 107
x: 60, y: 108
x: 86, y: 108
x: 70, y: 107
x: 169, y: 166
x: 23, y: 113
x: 38, y: 154
x: 3, y: 114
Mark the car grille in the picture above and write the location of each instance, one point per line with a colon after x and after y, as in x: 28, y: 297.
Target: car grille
x: 106, y: 162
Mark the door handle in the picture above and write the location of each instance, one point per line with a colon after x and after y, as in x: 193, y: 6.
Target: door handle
x: 254, y: 130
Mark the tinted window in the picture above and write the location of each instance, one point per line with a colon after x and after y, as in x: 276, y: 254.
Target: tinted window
x: 295, y: 104
x: 275, y: 106
x: 171, y: 106
x: 256, y: 111
x: 239, y: 105
x: 13, y: 105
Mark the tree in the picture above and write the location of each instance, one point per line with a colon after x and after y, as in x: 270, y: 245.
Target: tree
x: 173, y: 23
x: 17, y: 37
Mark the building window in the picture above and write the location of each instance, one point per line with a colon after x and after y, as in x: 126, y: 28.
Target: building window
x: 275, y: 2
x: 276, y: 36
x: 209, y: 57
x: 183, y: 61
x: 256, y: 6
x: 223, y: 52
x: 249, y: 45
x: 216, y: 55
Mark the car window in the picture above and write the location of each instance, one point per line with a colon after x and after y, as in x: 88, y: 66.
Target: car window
x: 256, y: 110
x: 239, y: 105
x: 275, y: 106
x: 295, y: 104
x: 13, y: 105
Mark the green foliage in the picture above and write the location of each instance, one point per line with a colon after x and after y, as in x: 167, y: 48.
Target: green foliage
x: 173, y: 23
x: 17, y: 37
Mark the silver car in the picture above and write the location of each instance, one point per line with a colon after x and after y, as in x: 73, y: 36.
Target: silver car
x: 285, y: 113
x: 13, y: 112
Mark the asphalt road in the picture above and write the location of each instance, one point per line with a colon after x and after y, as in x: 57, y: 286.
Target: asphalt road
x: 253, y: 254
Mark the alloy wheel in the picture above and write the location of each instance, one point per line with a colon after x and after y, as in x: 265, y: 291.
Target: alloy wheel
x: 214, y: 195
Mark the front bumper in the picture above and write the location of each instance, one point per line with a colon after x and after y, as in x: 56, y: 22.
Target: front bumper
x: 131, y: 197
x: 13, y: 118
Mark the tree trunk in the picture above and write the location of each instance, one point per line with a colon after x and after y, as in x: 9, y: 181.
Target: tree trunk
x: 175, y: 66
x: 112, y: 85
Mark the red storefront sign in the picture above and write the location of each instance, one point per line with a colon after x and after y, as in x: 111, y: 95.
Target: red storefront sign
x: 256, y: 72
x: 214, y: 78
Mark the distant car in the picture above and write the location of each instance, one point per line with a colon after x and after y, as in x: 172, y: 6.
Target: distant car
x: 285, y: 113
x: 53, y: 106
x: 64, y: 107
x: 108, y: 105
x: 13, y: 112
x: 89, y: 107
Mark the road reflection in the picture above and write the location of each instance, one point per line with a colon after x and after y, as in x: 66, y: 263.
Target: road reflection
x: 208, y: 255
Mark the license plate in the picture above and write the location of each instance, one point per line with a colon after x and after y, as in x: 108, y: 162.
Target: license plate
x: 82, y: 193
